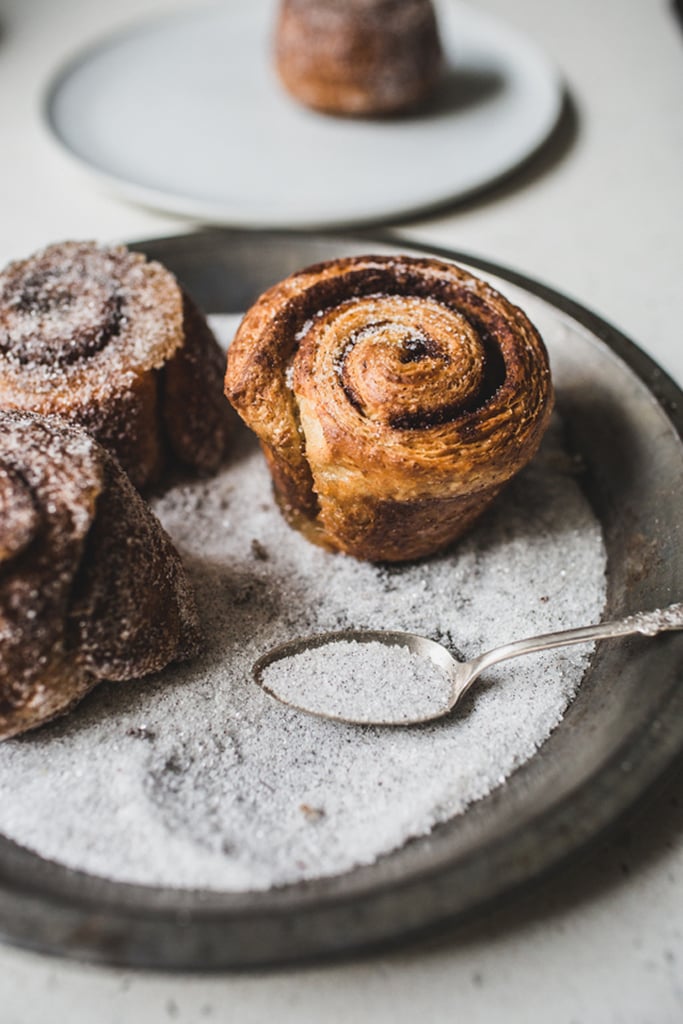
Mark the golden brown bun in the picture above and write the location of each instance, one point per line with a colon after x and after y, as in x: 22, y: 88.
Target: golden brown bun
x: 393, y: 398
x: 359, y: 57
x: 91, y: 587
x: 109, y: 341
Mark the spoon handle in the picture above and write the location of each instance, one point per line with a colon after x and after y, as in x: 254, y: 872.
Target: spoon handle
x: 645, y: 623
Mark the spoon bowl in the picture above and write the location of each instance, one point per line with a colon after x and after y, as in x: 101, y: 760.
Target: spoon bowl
x: 339, y: 675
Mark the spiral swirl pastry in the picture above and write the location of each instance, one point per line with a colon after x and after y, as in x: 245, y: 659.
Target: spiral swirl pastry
x: 91, y: 587
x: 109, y: 340
x: 393, y: 398
x: 360, y: 57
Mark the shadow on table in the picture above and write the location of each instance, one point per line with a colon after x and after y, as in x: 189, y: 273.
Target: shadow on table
x: 613, y: 860
x: 536, y: 166
x: 462, y: 89
x: 632, y: 846
x: 677, y: 8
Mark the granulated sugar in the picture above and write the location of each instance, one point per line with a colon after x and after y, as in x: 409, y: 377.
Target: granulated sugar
x: 363, y: 681
x: 197, y: 778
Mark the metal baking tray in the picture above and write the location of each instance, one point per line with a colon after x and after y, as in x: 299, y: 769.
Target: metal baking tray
x: 624, y: 418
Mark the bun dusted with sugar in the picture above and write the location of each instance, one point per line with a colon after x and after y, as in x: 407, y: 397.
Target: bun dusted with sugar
x: 91, y: 587
x: 108, y: 340
x: 393, y: 398
x: 360, y: 57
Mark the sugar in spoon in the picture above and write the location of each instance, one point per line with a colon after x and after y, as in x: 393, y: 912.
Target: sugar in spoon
x: 336, y: 675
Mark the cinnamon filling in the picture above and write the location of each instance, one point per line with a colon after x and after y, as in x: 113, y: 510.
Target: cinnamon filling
x: 57, y: 315
x: 403, y: 361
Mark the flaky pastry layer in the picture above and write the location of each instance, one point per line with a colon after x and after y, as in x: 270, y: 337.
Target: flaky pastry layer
x: 393, y: 398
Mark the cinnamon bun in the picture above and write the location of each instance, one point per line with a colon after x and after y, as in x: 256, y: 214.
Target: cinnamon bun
x: 91, y: 587
x: 361, y: 57
x: 393, y: 398
x: 110, y: 341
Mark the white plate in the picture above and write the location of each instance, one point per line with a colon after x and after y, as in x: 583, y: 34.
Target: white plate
x: 186, y: 114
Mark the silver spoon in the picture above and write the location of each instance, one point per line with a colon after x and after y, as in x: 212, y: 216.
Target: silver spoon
x: 458, y: 676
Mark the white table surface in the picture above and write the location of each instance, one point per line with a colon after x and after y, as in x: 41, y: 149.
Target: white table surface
x: 597, y: 215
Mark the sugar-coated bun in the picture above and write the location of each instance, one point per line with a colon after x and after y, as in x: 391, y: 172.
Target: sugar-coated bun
x: 91, y: 587
x: 359, y: 57
x: 109, y: 340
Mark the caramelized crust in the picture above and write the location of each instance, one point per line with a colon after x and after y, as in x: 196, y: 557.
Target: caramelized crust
x: 360, y: 57
x: 109, y: 341
x: 91, y: 587
x: 393, y: 398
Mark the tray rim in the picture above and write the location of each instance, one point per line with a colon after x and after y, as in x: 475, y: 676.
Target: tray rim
x: 28, y: 905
